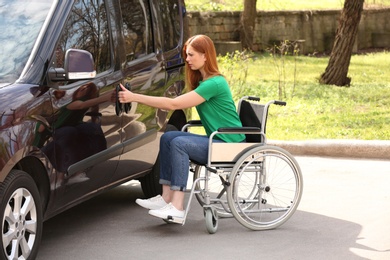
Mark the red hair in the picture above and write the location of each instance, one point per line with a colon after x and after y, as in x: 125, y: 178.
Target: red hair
x: 202, y: 44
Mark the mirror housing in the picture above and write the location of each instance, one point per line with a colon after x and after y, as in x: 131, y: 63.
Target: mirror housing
x: 79, y: 65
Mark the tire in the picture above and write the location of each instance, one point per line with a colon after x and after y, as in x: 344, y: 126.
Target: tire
x: 216, y: 192
x: 211, y: 221
x: 21, y: 217
x: 150, y: 183
x: 266, y: 188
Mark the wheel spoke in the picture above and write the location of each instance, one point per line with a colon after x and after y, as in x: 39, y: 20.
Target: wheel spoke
x: 9, y: 215
x: 18, y: 200
x: 28, y: 206
x: 9, y: 221
x: 31, y: 227
x: 25, y: 247
x: 8, y: 237
x: 14, y: 251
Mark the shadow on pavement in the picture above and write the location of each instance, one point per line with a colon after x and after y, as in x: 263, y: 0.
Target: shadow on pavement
x: 112, y: 226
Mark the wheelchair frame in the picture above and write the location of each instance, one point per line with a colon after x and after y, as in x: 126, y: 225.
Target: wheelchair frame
x: 260, y: 185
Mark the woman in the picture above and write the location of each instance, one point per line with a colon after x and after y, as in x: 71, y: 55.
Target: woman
x: 210, y: 94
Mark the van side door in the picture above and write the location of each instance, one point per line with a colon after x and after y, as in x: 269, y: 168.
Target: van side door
x: 85, y: 141
x: 143, y: 73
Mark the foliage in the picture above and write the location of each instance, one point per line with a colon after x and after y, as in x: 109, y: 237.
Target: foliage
x: 269, y: 5
x: 278, y: 54
x: 235, y: 68
x: 204, y: 6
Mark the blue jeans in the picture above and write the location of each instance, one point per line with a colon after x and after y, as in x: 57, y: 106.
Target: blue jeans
x: 176, y: 150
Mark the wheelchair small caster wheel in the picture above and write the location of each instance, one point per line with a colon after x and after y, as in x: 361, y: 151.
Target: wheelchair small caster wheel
x: 211, y: 221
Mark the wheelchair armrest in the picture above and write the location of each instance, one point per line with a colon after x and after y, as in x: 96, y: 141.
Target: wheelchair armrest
x: 191, y: 123
x: 239, y: 129
x: 194, y: 123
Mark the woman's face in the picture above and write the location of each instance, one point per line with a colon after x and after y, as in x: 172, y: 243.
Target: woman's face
x: 195, y: 60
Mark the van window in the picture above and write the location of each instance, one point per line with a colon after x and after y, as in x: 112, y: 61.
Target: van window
x: 137, y: 28
x: 87, y: 29
x: 170, y: 13
x: 20, y: 24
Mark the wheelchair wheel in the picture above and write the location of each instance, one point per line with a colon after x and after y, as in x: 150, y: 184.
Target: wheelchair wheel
x: 266, y: 188
x: 216, y: 191
x: 211, y: 221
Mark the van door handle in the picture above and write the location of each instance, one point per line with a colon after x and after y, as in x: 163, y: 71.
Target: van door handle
x: 119, y: 107
x: 127, y: 106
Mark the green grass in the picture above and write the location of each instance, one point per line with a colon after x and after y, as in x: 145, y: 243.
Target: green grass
x: 271, y: 5
x: 315, y: 111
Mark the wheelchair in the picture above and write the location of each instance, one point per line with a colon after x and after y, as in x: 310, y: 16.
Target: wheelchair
x: 260, y: 185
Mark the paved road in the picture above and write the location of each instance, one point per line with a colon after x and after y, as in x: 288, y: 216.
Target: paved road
x: 344, y: 214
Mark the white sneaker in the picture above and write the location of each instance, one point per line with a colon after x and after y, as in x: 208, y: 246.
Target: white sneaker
x: 169, y: 213
x: 153, y: 203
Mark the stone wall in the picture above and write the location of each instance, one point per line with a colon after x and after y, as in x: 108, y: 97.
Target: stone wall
x: 314, y: 30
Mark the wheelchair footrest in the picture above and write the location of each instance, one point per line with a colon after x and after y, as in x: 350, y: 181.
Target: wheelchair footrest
x: 175, y: 220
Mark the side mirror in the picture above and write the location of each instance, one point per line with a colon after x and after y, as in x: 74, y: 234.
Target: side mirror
x: 79, y: 65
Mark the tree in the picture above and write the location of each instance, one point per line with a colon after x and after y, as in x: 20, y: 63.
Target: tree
x: 248, y: 22
x: 340, y: 57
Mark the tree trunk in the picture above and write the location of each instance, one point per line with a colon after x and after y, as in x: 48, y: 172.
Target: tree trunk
x: 337, y: 69
x: 248, y: 22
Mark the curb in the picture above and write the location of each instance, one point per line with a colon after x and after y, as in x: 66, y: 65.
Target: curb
x: 376, y: 149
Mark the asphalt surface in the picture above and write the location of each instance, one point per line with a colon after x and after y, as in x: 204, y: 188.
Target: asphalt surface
x: 344, y: 214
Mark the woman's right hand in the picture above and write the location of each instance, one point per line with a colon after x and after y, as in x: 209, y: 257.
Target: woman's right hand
x: 125, y: 96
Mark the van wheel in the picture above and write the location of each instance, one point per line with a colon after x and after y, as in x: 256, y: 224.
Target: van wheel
x: 21, y: 217
x: 150, y: 183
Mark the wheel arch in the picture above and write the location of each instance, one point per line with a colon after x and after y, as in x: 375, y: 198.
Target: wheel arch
x: 35, y: 168
x: 179, y: 118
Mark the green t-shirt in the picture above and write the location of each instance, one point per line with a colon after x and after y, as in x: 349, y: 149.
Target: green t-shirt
x: 219, y: 109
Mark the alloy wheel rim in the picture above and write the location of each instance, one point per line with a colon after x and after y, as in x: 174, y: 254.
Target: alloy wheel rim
x: 19, y: 225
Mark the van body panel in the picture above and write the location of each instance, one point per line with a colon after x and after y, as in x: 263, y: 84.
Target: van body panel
x: 80, y: 139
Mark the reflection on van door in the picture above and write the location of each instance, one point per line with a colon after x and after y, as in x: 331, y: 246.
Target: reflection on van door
x: 85, y: 144
x: 144, y: 73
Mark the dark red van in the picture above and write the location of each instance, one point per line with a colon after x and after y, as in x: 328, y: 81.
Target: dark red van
x: 63, y: 136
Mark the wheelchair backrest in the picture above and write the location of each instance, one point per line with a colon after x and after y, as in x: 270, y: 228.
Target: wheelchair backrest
x: 251, y: 114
